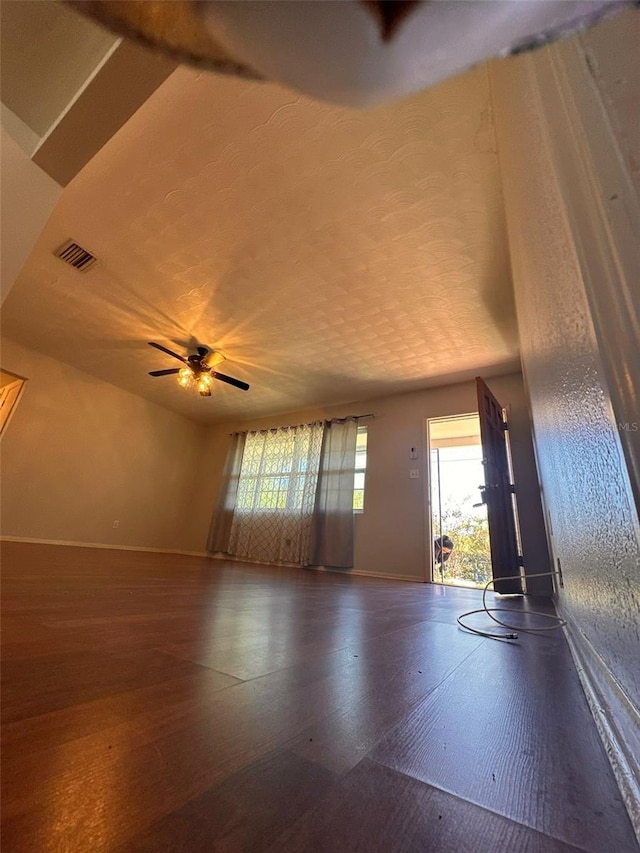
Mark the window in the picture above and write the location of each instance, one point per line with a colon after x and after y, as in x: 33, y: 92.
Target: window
x: 288, y: 494
x: 360, y: 468
x: 280, y: 469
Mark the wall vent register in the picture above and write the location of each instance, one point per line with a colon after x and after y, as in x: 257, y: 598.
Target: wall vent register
x: 73, y: 254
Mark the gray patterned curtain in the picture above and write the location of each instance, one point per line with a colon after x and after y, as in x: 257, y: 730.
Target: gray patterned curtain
x: 220, y: 530
x: 276, y: 494
x: 333, y: 525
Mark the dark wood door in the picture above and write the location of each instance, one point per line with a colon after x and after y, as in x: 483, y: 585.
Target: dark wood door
x: 498, y: 493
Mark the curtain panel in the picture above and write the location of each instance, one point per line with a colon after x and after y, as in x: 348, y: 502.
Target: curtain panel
x: 287, y: 496
x: 220, y: 530
x: 332, y: 543
x: 275, y: 500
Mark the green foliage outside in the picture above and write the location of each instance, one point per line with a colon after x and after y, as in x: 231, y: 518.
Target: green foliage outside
x: 470, y: 560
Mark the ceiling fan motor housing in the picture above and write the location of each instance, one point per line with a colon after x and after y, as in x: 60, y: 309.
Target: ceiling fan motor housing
x: 196, y: 367
x: 196, y: 361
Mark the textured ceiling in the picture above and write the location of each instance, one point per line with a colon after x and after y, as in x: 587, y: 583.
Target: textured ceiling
x: 330, y: 254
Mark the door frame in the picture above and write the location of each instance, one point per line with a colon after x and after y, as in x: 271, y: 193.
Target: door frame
x: 23, y: 384
x: 428, y: 549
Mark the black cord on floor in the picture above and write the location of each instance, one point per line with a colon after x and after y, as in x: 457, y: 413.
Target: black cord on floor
x: 494, y: 635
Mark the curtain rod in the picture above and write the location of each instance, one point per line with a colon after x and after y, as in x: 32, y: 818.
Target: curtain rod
x: 351, y: 417
x: 291, y: 426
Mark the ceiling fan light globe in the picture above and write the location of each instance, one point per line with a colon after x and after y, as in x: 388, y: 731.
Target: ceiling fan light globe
x: 185, y: 377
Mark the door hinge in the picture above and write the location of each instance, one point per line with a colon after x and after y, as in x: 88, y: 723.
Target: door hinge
x: 521, y: 561
x: 505, y: 426
x: 512, y: 488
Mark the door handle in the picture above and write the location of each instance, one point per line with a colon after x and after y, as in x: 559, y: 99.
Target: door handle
x: 483, y: 496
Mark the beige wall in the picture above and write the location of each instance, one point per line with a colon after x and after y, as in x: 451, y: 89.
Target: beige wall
x: 80, y: 453
x: 574, y: 219
x: 28, y: 197
x: 391, y: 533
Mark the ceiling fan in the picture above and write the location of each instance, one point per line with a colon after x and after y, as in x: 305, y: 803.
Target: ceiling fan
x: 196, y: 371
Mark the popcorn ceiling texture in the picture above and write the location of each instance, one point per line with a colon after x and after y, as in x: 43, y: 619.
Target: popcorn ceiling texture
x: 583, y: 471
x: 330, y: 254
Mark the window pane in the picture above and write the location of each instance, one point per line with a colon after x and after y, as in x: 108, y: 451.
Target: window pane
x: 276, y: 475
x: 360, y: 467
x: 279, y: 470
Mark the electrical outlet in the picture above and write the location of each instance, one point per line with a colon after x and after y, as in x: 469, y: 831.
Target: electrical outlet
x: 414, y: 474
x: 116, y: 523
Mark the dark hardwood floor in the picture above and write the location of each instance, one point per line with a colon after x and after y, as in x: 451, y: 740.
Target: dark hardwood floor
x: 163, y: 703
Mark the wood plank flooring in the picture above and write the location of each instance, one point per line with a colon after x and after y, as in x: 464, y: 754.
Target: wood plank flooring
x: 163, y: 703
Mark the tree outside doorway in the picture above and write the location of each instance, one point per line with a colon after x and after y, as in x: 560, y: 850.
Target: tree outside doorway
x: 469, y: 563
x: 456, y: 473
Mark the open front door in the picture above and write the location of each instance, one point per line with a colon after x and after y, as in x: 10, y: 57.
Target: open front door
x: 497, y: 493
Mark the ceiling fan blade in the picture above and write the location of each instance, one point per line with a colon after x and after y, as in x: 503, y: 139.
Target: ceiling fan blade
x: 168, y: 351
x: 164, y: 372
x: 237, y: 383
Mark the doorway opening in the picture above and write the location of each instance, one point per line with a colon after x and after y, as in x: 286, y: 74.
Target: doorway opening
x: 460, y: 545
x: 11, y: 387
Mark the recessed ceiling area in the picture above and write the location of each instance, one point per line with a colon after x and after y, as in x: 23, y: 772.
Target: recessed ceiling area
x: 330, y: 254
x: 48, y: 53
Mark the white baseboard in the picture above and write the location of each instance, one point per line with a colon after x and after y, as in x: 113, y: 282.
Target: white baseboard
x: 67, y: 543
x: 617, y: 720
x: 31, y: 541
x: 362, y: 574
x: 344, y: 572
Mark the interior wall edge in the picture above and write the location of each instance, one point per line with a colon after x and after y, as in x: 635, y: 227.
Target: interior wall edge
x: 617, y: 721
x: 344, y: 572
x: 104, y: 545
x: 362, y: 574
x: 603, y: 210
x: 571, y: 215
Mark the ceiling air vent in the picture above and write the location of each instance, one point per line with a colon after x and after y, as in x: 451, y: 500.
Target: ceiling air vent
x: 75, y: 255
